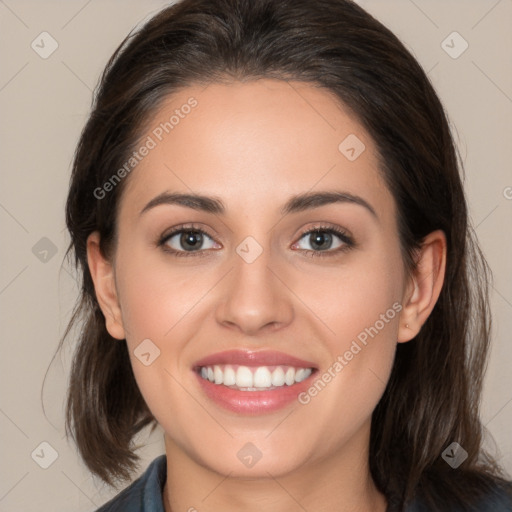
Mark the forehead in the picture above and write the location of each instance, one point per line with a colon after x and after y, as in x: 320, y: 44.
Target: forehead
x: 254, y: 144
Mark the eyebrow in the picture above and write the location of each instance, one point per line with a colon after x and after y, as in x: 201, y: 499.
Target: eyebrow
x: 295, y: 204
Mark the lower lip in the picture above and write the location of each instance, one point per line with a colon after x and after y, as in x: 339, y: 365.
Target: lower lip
x: 253, y: 402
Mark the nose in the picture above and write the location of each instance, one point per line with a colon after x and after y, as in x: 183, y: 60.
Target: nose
x: 256, y: 298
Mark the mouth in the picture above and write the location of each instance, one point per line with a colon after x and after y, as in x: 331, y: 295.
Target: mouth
x: 254, y: 378
x: 253, y: 382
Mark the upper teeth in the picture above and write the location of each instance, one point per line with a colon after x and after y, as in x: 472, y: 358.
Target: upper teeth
x: 254, y: 377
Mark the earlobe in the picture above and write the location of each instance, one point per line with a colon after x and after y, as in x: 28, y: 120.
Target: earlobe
x: 424, y: 286
x: 102, y: 274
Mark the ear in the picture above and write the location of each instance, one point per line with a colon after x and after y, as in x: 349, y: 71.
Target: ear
x: 424, y: 285
x: 102, y: 273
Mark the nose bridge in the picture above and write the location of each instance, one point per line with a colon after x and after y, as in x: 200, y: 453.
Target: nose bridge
x: 254, y: 297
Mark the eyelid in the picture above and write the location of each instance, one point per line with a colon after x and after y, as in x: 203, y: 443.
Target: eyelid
x: 325, y: 226
x: 188, y: 226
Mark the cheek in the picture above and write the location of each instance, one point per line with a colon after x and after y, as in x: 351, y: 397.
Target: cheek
x: 361, y: 308
x: 155, y: 296
x: 361, y: 294
x: 156, y: 301
x: 370, y: 320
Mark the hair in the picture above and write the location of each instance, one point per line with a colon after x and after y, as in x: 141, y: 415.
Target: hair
x: 434, y: 391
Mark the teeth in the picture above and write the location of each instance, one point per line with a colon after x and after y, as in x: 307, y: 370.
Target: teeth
x: 244, y: 377
x: 289, y: 377
x: 278, y: 377
x: 300, y: 375
x: 254, y: 378
x: 217, y: 373
x: 262, y: 378
x: 229, y: 376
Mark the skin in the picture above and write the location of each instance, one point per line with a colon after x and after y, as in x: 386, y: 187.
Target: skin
x: 254, y: 145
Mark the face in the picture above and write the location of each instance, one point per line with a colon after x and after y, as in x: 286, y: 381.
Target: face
x: 315, y: 286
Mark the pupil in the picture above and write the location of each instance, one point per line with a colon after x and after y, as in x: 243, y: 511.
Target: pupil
x: 193, y: 238
x: 318, y: 237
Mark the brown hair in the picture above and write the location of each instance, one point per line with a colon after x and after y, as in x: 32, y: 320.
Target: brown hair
x: 432, y: 397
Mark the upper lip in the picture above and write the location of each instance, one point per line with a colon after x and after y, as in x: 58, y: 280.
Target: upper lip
x: 253, y: 358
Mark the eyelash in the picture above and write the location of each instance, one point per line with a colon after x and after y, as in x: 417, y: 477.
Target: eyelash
x: 348, y: 242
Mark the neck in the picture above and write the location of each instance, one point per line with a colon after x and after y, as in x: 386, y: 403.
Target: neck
x: 339, y: 482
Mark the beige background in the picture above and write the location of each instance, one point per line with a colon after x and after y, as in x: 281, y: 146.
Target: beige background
x: 44, y: 105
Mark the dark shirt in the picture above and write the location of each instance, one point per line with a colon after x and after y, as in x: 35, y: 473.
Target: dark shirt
x: 145, y: 494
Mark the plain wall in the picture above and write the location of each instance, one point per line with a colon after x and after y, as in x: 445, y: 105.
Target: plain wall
x: 44, y: 104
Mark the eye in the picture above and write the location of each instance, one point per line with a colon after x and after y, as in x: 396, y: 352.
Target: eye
x: 322, y: 239
x: 186, y: 240
x: 189, y: 240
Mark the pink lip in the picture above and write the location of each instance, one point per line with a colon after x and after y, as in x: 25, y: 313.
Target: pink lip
x: 253, y: 402
x: 252, y: 358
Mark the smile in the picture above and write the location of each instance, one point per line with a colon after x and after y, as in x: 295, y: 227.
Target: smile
x: 245, y: 378
x: 253, y: 382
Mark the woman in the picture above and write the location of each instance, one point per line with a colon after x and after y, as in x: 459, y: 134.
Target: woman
x: 268, y: 215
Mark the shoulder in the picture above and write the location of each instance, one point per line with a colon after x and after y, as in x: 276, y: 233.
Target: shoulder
x: 497, y: 499
x: 144, y: 494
